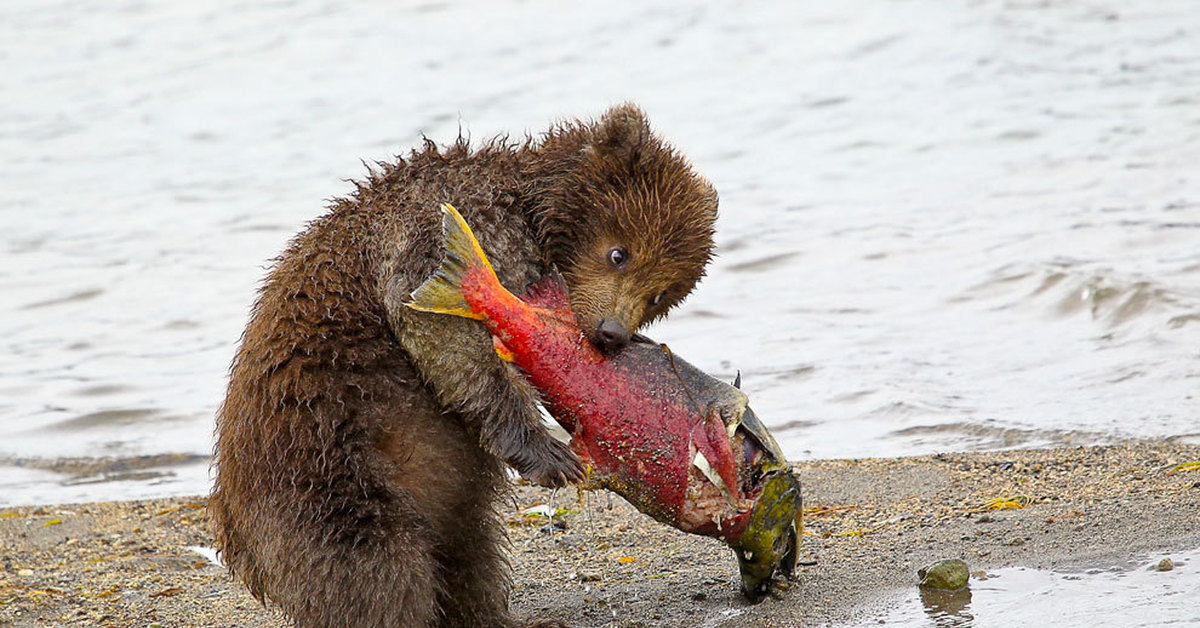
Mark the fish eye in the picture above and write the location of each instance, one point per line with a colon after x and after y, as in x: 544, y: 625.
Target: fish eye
x: 656, y: 299
x: 617, y: 257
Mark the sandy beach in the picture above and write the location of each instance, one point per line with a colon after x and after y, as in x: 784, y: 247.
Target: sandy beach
x: 869, y: 525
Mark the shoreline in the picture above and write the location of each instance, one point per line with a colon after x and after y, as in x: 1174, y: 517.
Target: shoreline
x: 869, y: 525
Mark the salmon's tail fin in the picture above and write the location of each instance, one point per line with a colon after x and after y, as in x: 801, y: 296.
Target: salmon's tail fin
x: 443, y: 293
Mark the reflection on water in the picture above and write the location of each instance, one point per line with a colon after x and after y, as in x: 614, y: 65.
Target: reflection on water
x: 947, y: 608
x: 1137, y: 594
x: 945, y: 225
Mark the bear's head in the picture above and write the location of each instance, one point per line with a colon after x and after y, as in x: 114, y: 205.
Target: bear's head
x: 626, y: 220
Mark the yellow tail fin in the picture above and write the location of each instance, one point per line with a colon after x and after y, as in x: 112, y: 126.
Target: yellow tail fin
x: 442, y: 292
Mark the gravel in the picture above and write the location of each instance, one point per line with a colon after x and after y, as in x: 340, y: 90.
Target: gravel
x: 870, y: 524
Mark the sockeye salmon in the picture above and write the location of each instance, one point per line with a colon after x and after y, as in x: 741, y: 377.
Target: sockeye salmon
x: 679, y: 445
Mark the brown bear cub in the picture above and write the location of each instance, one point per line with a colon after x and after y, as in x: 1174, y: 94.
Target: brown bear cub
x: 360, y: 447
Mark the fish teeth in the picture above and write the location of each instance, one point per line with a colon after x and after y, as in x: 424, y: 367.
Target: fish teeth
x: 709, y: 472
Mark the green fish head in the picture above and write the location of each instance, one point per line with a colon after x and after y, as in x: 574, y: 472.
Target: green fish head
x: 770, y: 543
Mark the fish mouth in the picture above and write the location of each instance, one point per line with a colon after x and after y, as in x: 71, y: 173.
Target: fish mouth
x: 770, y: 543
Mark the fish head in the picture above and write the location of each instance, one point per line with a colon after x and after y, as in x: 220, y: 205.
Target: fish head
x: 770, y: 542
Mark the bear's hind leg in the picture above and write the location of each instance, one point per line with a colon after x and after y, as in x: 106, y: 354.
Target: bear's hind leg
x: 368, y: 574
x: 476, y: 575
x: 477, y: 578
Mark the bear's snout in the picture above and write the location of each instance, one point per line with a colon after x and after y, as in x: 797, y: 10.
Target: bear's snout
x: 610, y: 336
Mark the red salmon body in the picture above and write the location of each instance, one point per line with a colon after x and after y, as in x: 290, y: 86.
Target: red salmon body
x: 630, y: 419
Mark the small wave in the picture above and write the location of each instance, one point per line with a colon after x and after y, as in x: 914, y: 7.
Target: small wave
x: 763, y: 263
x: 91, y: 470
x: 100, y: 390
x: 962, y: 435
x: 106, y: 418
x: 82, y: 295
x: 1105, y: 297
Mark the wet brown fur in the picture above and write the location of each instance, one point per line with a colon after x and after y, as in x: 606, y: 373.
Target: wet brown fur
x: 360, y: 445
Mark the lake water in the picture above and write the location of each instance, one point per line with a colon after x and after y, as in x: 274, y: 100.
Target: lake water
x: 946, y: 225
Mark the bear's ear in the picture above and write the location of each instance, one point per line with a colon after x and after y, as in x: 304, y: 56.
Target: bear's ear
x: 621, y: 131
x: 713, y: 200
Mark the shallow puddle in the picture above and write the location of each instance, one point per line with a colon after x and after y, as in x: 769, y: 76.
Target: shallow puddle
x: 1116, y: 596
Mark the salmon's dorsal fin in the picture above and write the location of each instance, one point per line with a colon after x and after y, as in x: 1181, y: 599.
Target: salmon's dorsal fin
x: 549, y: 292
x: 442, y: 293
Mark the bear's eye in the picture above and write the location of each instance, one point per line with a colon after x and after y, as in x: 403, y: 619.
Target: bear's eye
x: 617, y: 257
x: 656, y: 299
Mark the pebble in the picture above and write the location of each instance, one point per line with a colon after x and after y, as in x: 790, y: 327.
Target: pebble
x: 25, y: 573
x: 553, y: 527
x: 1165, y: 564
x: 948, y: 575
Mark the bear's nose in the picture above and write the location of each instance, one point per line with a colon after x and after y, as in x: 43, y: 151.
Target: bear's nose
x: 611, y: 336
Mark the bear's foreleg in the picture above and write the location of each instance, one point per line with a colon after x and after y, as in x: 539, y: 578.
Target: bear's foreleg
x: 456, y: 357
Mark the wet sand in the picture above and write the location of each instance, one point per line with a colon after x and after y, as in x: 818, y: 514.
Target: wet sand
x: 870, y: 524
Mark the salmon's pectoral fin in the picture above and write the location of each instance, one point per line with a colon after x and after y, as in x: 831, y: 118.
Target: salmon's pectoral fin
x: 442, y: 293
x: 503, y: 351
x: 549, y: 292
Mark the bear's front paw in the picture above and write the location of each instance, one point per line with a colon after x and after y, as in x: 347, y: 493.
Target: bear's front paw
x: 553, y: 465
